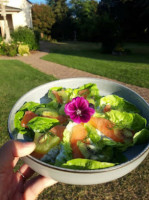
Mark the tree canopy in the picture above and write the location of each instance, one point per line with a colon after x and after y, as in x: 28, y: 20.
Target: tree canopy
x: 92, y: 20
x: 84, y: 13
x: 132, y: 16
x: 59, y: 8
x: 43, y: 18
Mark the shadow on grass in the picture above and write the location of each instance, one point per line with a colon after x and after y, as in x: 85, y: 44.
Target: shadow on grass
x: 139, y: 52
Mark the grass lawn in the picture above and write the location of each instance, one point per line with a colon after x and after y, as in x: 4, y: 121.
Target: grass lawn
x: 132, y: 69
x: 16, y: 79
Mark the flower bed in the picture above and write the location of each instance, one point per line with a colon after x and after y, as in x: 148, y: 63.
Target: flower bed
x: 13, y: 48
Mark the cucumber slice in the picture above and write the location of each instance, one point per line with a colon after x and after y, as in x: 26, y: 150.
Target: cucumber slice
x: 47, y: 112
x: 45, y: 142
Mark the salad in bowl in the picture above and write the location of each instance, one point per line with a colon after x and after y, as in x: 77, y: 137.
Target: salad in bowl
x: 80, y: 129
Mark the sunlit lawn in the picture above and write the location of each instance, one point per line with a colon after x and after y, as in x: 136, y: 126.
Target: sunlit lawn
x: 16, y: 79
x: 132, y: 68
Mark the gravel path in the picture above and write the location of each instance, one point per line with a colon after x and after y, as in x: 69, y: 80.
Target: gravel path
x: 61, y: 72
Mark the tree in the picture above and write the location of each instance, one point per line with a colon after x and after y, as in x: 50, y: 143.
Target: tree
x: 109, y: 33
x: 132, y: 15
x: 51, y: 2
x: 140, y: 22
x: 62, y: 29
x: 59, y: 8
x: 43, y: 18
x: 85, y: 15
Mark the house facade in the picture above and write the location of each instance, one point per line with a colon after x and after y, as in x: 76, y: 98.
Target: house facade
x: 18, y: 13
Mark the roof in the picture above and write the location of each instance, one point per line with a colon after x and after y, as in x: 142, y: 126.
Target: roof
x: 10, y: 9
x: 28, y: 1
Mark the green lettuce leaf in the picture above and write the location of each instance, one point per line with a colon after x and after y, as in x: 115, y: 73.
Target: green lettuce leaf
x: 106, y: 154
x: 64, y: 155
x: 109, y: 142
x: 61, y: 110
x: 67, y: 132
x: 64, y: 93
x: 53, y: 104
x: 19, y: 129
x: 132, y: 121
x: 99, y: 114
x: 141, y: 137
x: 92, y: 133
x: 118, y: 103
x: 84, y: 149
x: 17, y: 123
x: 31, y: 106
x: 42, y: 124
x: 95, y: 152
x: 86, y: 164
x: 50, y: 94
x: 17, y: 120
x: 93, y: 91
x: 118, y: 156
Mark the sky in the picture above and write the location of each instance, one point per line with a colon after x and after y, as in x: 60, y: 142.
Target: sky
x: 38, y: 1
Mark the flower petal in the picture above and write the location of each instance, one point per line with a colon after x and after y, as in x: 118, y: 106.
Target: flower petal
x: 75, y: 118
x: 69, y: 107
x: 78, y: 110
x: 85, y: 116
x: 81, y: 103
x: 91, y: 111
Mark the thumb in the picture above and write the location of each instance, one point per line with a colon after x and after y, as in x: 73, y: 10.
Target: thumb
x: 13, y: 150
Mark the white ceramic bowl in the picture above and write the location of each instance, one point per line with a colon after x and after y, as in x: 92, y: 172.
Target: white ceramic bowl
x: 135, y: 154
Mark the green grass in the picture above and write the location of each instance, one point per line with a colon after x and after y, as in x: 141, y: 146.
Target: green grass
x: 16, y: 79
x: 132, y: 69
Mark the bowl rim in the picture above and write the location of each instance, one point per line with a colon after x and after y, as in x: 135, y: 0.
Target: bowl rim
x: 78, y: 170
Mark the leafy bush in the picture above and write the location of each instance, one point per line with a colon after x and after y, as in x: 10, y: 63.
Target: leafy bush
x: 27, y: 36
x: 9, y: 49
x: 1, y: 39
x: 2, y: 48
x: 37, y: 36
x: 23, y: 49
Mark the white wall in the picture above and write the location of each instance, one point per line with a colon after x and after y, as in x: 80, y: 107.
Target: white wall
x: 23, y: 18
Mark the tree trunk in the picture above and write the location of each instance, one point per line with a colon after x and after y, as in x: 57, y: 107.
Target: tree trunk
x: 6, y: 27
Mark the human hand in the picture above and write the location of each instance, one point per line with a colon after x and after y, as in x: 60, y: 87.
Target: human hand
x: 15, y: 186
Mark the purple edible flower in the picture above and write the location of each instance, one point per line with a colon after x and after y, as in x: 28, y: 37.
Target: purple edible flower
x: 78, y: 110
